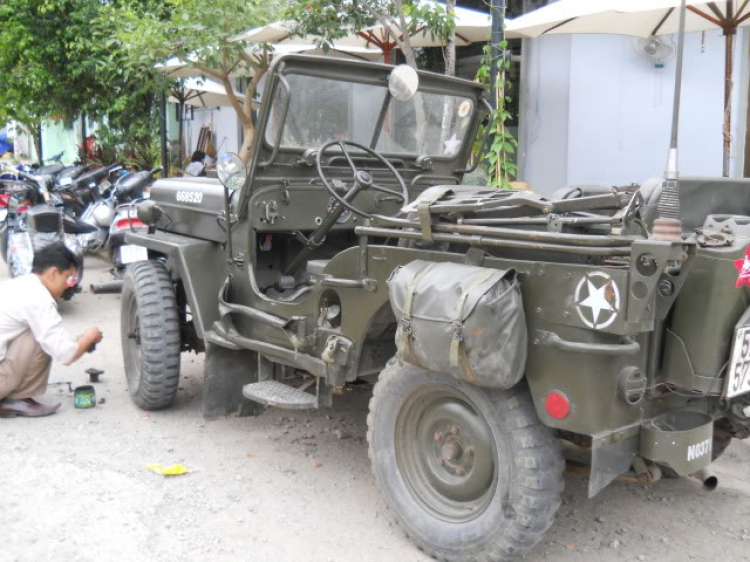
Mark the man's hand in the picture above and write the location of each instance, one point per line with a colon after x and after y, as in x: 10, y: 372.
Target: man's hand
x: 90, y: 337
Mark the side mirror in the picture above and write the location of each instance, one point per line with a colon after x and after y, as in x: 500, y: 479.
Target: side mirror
x: 231, y: 170
x: 403, y: 82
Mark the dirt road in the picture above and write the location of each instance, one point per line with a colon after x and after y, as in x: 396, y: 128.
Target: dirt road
x: 282, y: 487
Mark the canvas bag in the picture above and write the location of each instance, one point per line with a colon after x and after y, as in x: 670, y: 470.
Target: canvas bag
x: 460, y: 320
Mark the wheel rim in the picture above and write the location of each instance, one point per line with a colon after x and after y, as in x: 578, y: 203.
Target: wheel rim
x: 134, y: 350
x: 446, y: 453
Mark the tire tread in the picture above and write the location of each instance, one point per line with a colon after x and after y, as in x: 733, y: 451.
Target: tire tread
x: 537, y: 467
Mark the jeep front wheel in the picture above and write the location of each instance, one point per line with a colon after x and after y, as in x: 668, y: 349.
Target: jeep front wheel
x: 470, y: 473
x: 150, y: 332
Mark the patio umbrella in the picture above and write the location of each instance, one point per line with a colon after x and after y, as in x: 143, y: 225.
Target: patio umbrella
x: 202, y: 93
x: 281, y: 36
x: 471, y: 27
x: 643, y: 18
x: 179, y: 68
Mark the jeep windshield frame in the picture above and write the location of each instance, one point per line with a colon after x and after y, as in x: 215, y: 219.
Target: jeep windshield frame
x: 291, y: 126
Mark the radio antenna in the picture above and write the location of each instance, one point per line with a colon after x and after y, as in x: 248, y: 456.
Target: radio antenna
x: 668, y: 225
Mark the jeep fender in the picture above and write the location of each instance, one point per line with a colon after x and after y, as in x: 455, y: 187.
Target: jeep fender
x: 199, y: 265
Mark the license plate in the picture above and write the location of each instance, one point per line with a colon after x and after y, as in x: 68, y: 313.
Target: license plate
x: 130, y: 253
x: 738, y: 377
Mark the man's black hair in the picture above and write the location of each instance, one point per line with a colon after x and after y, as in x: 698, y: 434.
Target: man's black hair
x: 198, y: 156
x: 56, y: 255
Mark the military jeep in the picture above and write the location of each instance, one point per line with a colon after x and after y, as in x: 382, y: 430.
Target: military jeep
x: 505, y: 330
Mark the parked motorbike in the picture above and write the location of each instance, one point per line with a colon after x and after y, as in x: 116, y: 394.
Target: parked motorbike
x: 33, y: 223
x: 83, y: 192
x: 128, y: 191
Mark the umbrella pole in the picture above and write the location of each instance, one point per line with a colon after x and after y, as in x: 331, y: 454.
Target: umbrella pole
x: 497, y: 13
x: 727, y: 129
x: 163, y: 133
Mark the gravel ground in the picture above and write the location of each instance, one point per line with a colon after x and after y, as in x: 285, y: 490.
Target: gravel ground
x: 285, y: 486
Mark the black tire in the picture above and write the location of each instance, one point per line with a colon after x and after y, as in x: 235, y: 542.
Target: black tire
x: 150, y: 333
x: 437, y: 482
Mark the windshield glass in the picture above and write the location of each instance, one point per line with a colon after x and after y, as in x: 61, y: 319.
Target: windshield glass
x: 322, y: 110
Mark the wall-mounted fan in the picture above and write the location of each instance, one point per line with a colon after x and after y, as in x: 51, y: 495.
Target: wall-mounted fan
x: 658, y: 50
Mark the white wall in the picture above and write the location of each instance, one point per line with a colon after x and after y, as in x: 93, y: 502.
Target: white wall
x: 225, y: 128
x: 597, y: 112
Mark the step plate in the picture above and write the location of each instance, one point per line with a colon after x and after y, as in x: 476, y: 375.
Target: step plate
x: 280, y: 395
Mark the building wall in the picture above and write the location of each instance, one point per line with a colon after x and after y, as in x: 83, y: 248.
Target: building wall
x: 225, y: 127
x: 56, y: 139
x: 597, y: 112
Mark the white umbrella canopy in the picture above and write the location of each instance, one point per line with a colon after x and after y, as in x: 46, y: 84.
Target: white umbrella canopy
x: 179, y: 68
x: 471, y: 27
x: 350, y: 51
x: 203, y: 93
x: 643, y: 18
x: 274, y: 32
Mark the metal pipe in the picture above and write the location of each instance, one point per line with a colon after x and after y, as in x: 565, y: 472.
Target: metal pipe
x: 83, y: 134
x: 516, y: 234
x: 707, y: 478
x: 106, y: 287
x: 494, y: 242
x: 727, y: 128
x: 567, y: 221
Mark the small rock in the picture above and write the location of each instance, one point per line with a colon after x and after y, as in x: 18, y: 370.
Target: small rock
x: 601, y: 520
x: 641, y: 557
x: 614, y: 544
x: 341, y: 434
x: 316, y: 463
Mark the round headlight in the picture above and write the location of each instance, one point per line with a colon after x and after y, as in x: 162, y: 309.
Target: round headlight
x: 231, y: 170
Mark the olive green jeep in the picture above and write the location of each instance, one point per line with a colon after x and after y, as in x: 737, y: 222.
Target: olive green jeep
x: 505, y: 329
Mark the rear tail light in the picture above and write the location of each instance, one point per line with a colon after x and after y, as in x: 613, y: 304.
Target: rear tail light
x: 557, y: 405
x: 127, y: 224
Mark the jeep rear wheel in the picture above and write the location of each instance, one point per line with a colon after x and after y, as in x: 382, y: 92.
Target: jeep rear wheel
x: 470, y: 473
x: 150, y: 332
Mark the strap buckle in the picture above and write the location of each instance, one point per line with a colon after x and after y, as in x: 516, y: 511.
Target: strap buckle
x: 458, y: 330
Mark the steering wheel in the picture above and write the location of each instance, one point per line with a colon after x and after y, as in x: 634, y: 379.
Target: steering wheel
x: 362, y: 180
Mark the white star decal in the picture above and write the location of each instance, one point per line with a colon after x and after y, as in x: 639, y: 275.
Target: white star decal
x: 603, y: 302
x: 596, y: 300
x: 451, y: 145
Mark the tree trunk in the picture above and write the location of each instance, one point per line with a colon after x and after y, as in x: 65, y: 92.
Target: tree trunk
x: 247, y: 143
x: 450, y: 44
x: 449, y: 55
x: 36, y: 133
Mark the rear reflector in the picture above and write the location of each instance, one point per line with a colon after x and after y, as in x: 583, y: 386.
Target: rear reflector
x: 123, y: 224
x: 557, y: 405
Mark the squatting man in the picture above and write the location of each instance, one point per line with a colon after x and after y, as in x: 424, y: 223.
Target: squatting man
x: 32, y: 333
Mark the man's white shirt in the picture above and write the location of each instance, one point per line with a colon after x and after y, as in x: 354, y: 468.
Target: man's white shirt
x: 26, y: 304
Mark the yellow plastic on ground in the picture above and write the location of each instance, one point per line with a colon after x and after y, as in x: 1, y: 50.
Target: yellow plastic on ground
x: 174, y: 470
